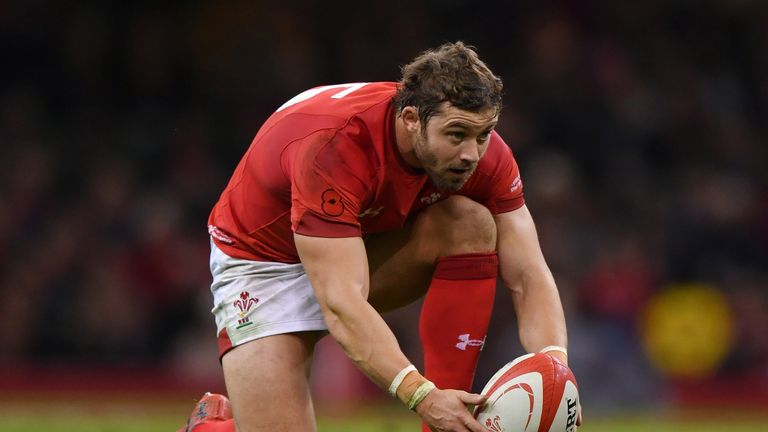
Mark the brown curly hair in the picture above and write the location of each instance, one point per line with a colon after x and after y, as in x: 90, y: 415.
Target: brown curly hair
x: 453, y: 73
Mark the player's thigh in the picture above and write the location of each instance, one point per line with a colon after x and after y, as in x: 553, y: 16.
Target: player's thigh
x: 400, y: 269
x: 268, y: 383
x: 267, y: 320
x: 402, y: 262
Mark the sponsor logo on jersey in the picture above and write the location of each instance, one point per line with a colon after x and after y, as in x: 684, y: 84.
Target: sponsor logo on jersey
x: 465, y: 341
x: 431, y: 198
x: 219, y: 235
x: 516, y: 183
x: 244, y: 305
x: 371, y: 212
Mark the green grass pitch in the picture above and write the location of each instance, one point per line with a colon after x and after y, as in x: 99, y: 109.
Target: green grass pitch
x: 85, y: 423
x: 136, y: 414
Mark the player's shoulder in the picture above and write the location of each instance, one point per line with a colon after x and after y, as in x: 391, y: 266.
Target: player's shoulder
x: 331, y: 108
x: 325, y: 110
x: 339, y: 100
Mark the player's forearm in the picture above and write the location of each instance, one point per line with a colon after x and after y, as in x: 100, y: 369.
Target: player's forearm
x: 366, y: 339
x: 338, y: 270
x: 540, y: 316
x: 525, y: 273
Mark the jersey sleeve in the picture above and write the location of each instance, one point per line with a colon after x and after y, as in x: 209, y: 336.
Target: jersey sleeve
x: 503, y: 188
x: 331, y: 178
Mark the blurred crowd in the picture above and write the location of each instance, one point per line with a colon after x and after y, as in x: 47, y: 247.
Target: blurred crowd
x: 640, y: 128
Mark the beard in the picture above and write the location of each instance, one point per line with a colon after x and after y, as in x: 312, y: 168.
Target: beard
x: 446, y: 181
x: 442, y: 177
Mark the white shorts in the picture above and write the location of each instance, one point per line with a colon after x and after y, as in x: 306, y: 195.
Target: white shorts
x: 254, y: 299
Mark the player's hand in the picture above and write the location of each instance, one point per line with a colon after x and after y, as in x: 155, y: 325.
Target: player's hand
x: 564, y: 360
x: 446, y: 411
x: 559, y: 356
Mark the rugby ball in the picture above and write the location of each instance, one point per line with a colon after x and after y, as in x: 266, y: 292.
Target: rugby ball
x: 532, y: 393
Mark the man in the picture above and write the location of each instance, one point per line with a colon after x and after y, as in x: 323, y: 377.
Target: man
x: 356, y: 199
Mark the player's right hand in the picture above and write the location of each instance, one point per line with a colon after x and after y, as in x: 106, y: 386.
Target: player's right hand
x: 446, y: 411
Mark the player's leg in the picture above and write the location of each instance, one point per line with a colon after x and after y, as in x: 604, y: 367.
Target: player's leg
x: 268, y: 323
x: 449, y: 252
x: 402, y: 263
x: 268, y: 383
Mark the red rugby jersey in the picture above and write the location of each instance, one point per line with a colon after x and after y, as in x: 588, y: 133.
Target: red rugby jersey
x: 325, y: 164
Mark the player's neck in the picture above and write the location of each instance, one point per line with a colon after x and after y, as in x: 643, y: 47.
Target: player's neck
x: 404, y: 143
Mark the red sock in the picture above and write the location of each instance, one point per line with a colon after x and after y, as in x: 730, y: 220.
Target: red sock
x: 216, y: 426
x: 455, y: 316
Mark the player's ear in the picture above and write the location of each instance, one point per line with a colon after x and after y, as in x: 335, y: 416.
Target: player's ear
x: 410, y: 116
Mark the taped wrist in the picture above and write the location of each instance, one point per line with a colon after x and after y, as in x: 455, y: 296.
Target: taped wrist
x: 409, y: 386
x: 421, y: 392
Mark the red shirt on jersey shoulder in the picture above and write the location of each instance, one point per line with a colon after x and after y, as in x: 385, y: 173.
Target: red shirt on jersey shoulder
x: 326, y: 164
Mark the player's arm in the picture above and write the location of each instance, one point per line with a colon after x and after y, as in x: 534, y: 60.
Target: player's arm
x: 338, y: 270
x: 525, y: 273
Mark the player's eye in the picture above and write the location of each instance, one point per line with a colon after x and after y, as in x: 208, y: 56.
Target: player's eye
x: 456, y: 135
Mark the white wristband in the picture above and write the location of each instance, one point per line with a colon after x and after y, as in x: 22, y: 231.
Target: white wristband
x: 399, y: 379
x: 554, y: 348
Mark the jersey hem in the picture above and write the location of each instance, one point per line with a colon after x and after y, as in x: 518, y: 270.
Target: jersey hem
x: 235, y: 252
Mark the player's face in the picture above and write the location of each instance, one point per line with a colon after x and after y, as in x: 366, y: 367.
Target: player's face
x: 451, y: 145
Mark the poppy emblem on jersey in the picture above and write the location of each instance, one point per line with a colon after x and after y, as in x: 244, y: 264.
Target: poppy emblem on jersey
x: 244, y: 303
x: 332, y: 205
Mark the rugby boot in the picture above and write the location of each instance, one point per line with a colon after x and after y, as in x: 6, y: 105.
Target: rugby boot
x: 211, y: 407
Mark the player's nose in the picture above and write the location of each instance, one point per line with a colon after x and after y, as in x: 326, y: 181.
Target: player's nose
x: 470, y: 153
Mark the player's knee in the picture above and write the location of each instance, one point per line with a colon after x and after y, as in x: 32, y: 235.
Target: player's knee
x: 462, y: 226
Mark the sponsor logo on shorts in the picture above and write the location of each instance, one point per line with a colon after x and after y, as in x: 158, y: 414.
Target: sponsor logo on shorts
x: 465, y: 341
x: 244, y: 304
